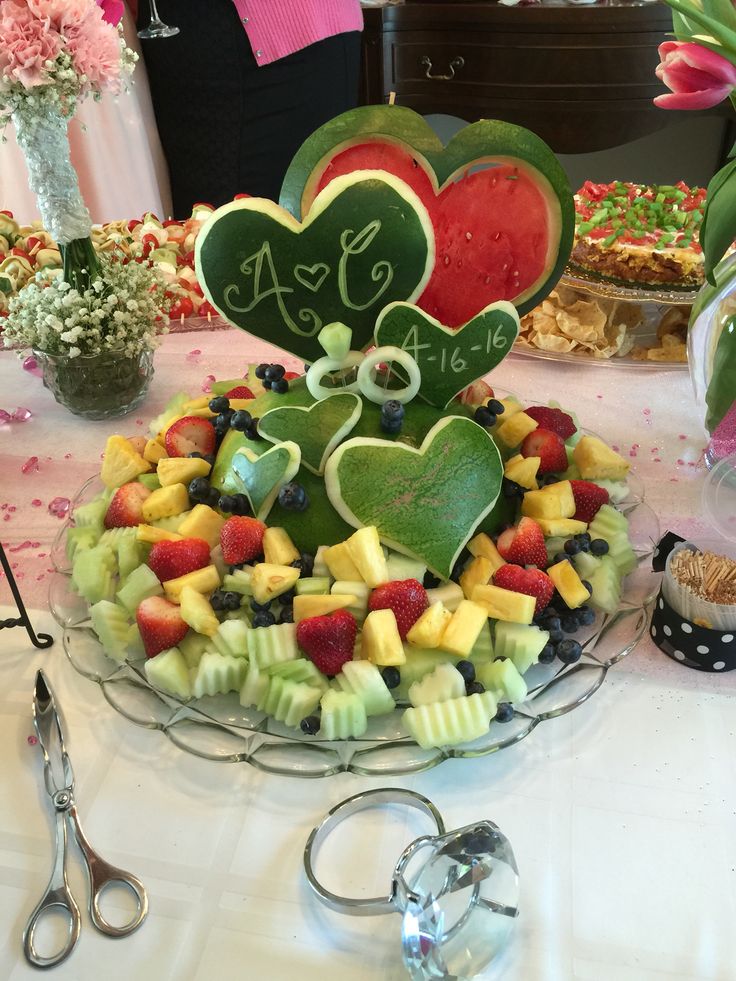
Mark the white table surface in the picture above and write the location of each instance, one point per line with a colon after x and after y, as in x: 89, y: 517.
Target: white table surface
x: 622, y: 814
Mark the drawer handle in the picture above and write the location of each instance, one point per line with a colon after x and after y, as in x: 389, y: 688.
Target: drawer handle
x: 426, y: 62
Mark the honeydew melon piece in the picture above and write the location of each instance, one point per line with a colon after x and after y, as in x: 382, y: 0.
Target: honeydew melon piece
x: 312, y: 586
x: 218, y: 674
x: 585, y: 564
x: 419, y: 662
x: 612, y: 526
x: 192, y: 647
x: 92, y: 573
x: 172, y: 523
x: 112, y: 537
x: 503, y: 679
x: 400, y: 567
x: 458, y: 720
x: 359, y: 591
x: 169, y: 672
x: 605, y: 583
x: 335, y: 338
x: 364, y: 679
x: 270, y: 645
x: 238, y: 581
x: 254, y: 687
x: 343, y: 715
x: 521, y: 643
x: 80, y: 538
x: 289, y: 701
x: 442, y: 684
x: 172, y: 409
x: 232, y: 638
x: 149, y: 480
x: 140, y: 584
x: 320, y: 568
x: 261, y: 477
x: 91, y: 515
x: 618, y: 490
x: 111, y: 623
x: 302, y: 669
x: 483, y: 647
x: 131, y: 553
x: 317, y: 429
x: 554, y: 545
x: 450, y: 594
x: 134, y: 643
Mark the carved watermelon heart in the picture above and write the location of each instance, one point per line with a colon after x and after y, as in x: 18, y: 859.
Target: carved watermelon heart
x: 262, y: 477
x: 503, y: 233
x: 449, y: 360
x: 366, y: 241
x: 316, y: 429
x: 424, y: 502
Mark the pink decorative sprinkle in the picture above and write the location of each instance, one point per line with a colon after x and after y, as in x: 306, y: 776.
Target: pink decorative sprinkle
x: 682, y: 436
x: 680, y: 462
x: 59, y: 507
x: 193, y: 356
x: 599, y: 396
x: 32, y: 740
x: 139, y: 422
x: 615, y: 449
x: 632, y: 452
x: 646, y: 412
x: 657, y: 459
x: 5, y: 417
x: 67, y: 456
x: 207, y: 383
x: 26, y: 544
x: 31, y: 464
x: 22, y: 415
x: 654, y: 449
x: 30, y: 364
x: 36, y: 503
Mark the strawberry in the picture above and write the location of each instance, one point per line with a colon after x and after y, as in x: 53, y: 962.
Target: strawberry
x: 328, y: 641
x: 160, y: 624
x: 169, y: 560
x: 589, y: 498
x: 125, y: 510
x: 532, y: 582
x: 476, y: 394
x: 549, y: 447
x: 239, y: 392
x: 241, y: 539
x: 190, y: 434
x: 523, y: 544
x: 406, y: 597
x: 555, y: 420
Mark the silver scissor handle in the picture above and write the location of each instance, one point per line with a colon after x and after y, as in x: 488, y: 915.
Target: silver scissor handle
x: 101, y: 874
x: 56, y: 897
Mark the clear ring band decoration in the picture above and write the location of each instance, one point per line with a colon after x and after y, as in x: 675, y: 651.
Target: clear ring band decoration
x: 324, y: 365
x: 457, y: 891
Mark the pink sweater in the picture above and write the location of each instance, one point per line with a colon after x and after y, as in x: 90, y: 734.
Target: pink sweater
x: 277, y: 28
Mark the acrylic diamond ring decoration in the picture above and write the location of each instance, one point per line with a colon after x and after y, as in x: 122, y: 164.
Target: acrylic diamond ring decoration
x: 219, y: 728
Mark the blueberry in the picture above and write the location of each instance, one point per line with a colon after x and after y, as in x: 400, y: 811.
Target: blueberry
x: 586, y: 584
x: 217, y: 600
x: 430, y: 580
x: 209, y: 458
x: 274, y: 373
x: 391, y: 426
x: 572, y: 547
x: 241, y: 505
x: 504, y: 712
x: 199, y: 489
x: 222, y: 423
x: 560, y: 557
x: 287, y: 598
x: 213, y: 498
x: 583, y: 540
x: 392, y: 410
x: 293, y: 497
x: 310, y: 725
x: 484, y: 417
x: 264, y: 618
x: 555, y: 636
x: 261, y: 371
x: 547, y: 654
x: 552, y: 622
x: 195, y: 455
x: 474, y: 688
x: 286, y: 615
x: 599, y: 546
x: 586, y: 616
x: 467, y: 670
x: 280, y: 386
x: 219, y: 404
x: 252, y: 431
x: 569, y: 651
x: 511, y: 489
x: 570, y: 624
x: 231, y: 600
x: 391, y: 677
x: 258, y: 607
x: 496, y: 407
x: 266, y: 384
x: 226, y: 504
x: 240, y: 420
x: 305, y: 563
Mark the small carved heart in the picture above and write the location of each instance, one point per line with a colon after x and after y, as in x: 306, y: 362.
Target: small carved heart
x: 312, y: 276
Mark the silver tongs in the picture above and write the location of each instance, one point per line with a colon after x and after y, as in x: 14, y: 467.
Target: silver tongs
x: 99, y: 873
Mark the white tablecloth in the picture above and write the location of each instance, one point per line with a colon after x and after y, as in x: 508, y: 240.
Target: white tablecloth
x: 622, y: 814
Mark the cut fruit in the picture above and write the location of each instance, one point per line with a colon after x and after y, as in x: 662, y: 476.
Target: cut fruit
x: 190, y: 434
x: 364, y: 679
x: 168, y: 671
x: 520, y: 643
x: 92, y: 514
x: 202, y: 522
x: 561, y: 527
x: 365, y: 550
x: 254, y: 687
x: 463, y: 629
x: 381, y: 641
x: 269, y: 581
x: 595, y: 459
x: 428, y: 630
x: 150, y: 534
x: 278, y: 548
x: 232, y: 638
x: 483, y: 545
x: 450, y: 594
x: 192, y: 647
x: 111, y: 624
x: 477, y: 572
x: 165, y: 503
x: 340, y: 562
x: 289, y: 701
x: 80, y: 538
x: 202, y: 580
x: 92, y: 573
x: 523, y: 471
x: 513, y: 431
x: 218, y: 674
x: 302, y: 669
x: 606, y: 585
x: 343, y: 715
x: 358, y: 592
x: 306, y: 606
x: 197, y: 612
x: 504, y: 680
x: 121, y: 463
x: 503, y: 604
x: 568, y: 584
x: 126, y: 507
x: 160, y: 625
x: 181, y: 470
x: 613, y: 527
x: 272, y: 645
x: 404, y: 567
x: 312, y: 586
x: 444, y: 683
x: 458, y: 720
x: 140, y: 584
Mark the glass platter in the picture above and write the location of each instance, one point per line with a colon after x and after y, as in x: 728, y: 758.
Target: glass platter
x: 656, y: 303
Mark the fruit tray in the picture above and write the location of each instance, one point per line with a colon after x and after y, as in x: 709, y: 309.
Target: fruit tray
x: 219, y: 728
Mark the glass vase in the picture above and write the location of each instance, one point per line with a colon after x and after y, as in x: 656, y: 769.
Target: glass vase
x: 97, y: 386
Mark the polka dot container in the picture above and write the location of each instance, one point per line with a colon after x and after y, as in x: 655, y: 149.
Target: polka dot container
x: 694, y: 646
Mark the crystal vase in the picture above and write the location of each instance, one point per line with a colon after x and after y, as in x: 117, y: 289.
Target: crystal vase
x: 98, y: 386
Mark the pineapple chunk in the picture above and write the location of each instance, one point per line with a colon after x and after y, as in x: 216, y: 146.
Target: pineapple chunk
x: 365, y: 550
x: 568, y: 584
x: 339, y: 561
x: 181, y: 470
x: 513, y: 431
x: 381, y: 642
x: 561, y: 526
x: 201, y: 580
x: 484, y: 545
x: 504, y: 604
x: 165, y: 502
x: 428, y: 630
x: 202, y: 522
x: 269, y: 581
x: 154, y: 452
x: 595, y: 459
x: 150, y: 534
x: 197, y: 612
x: 511, y: 407
x: 562, y: 491
x: 202, y: 402
x: 464, y: 628
x: 523, y: 470
x: 306, y: 606
x: 278, y: 548
x: 479, y: 570
x: 449, y: 593
x: 537, y: 504
x: 121, y: 463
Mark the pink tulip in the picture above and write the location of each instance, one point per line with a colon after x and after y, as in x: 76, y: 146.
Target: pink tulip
x: 698, y: 77
x: 112, y: 11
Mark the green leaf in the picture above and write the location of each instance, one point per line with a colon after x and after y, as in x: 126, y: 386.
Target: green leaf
x: 719, y: 223
x: 722, y: 10
x: 716, y: 29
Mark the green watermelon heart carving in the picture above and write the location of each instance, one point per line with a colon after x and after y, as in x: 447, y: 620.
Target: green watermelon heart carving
x: 316, y: 429
x: 449, y: 360
x: 501, y: 233
x: 424, y: 502
x: 262, y: 477
x: 366, y: 241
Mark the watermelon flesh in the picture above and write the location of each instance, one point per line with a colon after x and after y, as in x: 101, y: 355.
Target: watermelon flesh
x: 496, y: 230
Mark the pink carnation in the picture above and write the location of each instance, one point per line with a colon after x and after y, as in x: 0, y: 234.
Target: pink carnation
x: 27, y: 42
x: 95, y: 49
x: 112, y: 10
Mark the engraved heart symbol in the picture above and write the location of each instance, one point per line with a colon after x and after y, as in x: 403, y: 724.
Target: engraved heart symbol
x: 424, y: 502
x: 316, y: 429
x: 449, y: 360
x: 311, y: 276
